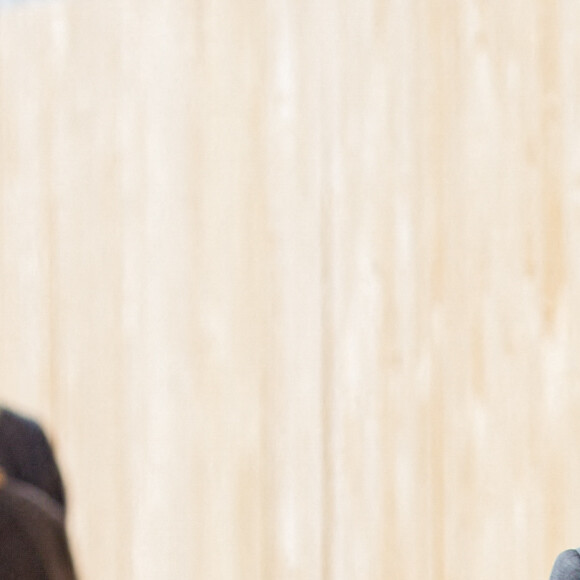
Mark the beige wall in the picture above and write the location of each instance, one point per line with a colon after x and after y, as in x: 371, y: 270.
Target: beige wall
x: 294, y: 285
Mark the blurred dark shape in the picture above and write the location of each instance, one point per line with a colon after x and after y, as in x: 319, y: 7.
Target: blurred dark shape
x: 33, y: 543
x: 26, y: 455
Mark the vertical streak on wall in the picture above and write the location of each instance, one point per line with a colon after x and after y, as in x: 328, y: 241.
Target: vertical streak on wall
x: 553, y: 247
x: 362, y: 69
x: 129, y: 125
x: 58, y: 27
x: 327, y: 374
x: 53, y: 330
x: 551, y: 158
x: 258, y: 300
x: 3, y: 186
x: 405, y: 359
x: 435, y: 186
x: 293, y: 446
x: 569, y: 55
x: 329, y: 165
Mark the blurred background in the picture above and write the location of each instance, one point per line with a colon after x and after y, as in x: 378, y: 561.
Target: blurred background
x: 293, y: 286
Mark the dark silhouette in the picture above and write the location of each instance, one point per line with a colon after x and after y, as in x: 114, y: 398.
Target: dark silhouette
x: 26, y: 455
x: 33, y: 544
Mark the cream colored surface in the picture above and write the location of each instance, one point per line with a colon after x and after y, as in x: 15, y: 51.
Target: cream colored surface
x: 294, y: 286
